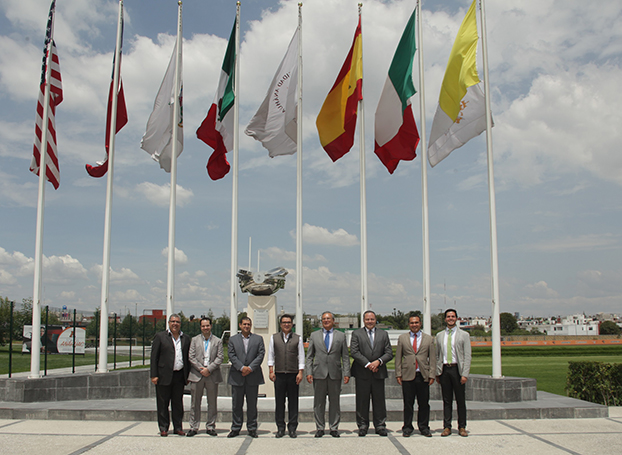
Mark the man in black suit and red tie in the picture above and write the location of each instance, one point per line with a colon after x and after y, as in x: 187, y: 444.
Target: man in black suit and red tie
x: 169, y: 373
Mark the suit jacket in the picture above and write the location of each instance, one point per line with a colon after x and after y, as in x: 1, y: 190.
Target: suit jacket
x: 405, y: 358
x: 163, y: 356
x: 463, y: 352
x: 362, y: 353
x: 197, y: 355
x: 252, y: 359
x: 322, y: 364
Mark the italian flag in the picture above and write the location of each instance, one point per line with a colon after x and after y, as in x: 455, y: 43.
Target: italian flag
x: 217, y: 128
x: 396, y: 136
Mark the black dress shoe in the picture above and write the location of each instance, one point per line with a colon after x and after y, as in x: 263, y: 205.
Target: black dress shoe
x: 280, y: 433
x: 191, y: 433
x: 292, y: 434
x: 211, y: 432
x: 319, y: 433
x: 252, y: 433
x: 334, y: 433
x: 426, y: 433
x: 362, y: 433
x: 233, y: 433
x: 382, y: 432
x: 406, y: 434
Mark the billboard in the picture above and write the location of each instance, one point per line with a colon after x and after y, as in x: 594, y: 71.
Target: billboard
x: 59, y: 340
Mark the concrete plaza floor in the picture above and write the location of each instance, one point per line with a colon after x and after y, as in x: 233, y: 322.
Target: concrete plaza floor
x: 549, y: 436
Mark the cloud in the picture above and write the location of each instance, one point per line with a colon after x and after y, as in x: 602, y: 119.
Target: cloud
x: 284, y: 255
x: 585, y: 242
x: 160, y: 195
x: 180, y: 256
x: 317, y: 235
x: 122, y: 276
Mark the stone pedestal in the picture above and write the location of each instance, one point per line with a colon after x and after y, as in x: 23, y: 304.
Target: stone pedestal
x: 262, y: 311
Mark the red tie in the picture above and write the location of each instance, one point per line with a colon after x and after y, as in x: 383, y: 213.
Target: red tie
x: 415, y: 349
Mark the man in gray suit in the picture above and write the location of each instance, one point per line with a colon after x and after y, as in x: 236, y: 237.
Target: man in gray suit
x: 453, y: 362
x: 327, y: 362
x: 205, y: 359
x: 371, y: 350
x: 415, y: 370
x: 246, y: 352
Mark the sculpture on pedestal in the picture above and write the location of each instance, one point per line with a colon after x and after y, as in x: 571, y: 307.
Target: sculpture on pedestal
x: 272, y: 281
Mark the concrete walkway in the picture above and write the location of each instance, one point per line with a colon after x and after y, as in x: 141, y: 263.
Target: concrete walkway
x: 559, y: 436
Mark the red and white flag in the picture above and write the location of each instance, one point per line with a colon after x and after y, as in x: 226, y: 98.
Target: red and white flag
x: 56, y: 97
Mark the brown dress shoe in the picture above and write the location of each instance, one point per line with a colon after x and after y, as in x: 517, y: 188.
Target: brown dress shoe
x: 446, y: 432
x: 463, y: 432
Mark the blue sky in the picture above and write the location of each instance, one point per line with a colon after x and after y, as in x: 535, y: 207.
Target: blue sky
x: 555, y: 68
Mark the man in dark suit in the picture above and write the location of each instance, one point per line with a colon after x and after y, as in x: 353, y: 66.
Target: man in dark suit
x: 327, y: 361
x: 371, y: 350
x: 206, y: 355
x: 169, y: 373
x: 415, y: 370
x: 246, y: 352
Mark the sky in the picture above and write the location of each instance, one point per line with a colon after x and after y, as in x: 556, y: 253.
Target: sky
x: 555, y: 70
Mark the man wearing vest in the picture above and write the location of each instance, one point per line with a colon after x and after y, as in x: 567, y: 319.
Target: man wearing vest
x: 286, y: 361
x: 453, y: 362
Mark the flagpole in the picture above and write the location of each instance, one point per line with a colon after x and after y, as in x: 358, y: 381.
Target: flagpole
x: 494, y: 256
x: 170, y: 283
x: 103, y: 319
x: 299, y: 309
x: 233, y: 322
x: 35, y: 347
x: 427, y: 313
x: 362, y: 178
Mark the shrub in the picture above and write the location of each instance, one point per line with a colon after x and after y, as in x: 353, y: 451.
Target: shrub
x: 596, y: 382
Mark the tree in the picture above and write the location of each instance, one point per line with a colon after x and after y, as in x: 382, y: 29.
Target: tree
x: 123, y: 330
x: 438, y: 321
x: 609, y: 328
x: 508, y: 323
x: 479, y: 331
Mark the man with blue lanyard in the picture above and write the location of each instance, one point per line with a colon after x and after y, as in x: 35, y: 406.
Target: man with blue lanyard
x: 206, y: 355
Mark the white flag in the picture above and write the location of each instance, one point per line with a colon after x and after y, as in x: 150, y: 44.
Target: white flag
x: 275, y: 123
x: 158, y: 138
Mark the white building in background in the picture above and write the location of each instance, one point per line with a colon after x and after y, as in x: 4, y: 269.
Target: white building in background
x: 576, y: 324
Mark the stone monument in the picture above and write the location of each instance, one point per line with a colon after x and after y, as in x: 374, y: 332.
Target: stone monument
x: 262, y: 310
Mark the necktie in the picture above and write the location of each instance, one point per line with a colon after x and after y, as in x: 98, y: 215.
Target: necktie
x: 415, y: 349
x: 327, y: 340
x: 449, y: 356
x: 371, y: 338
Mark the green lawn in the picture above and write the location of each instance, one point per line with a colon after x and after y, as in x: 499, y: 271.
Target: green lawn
x: 21, y: 362
x: 549, y: 366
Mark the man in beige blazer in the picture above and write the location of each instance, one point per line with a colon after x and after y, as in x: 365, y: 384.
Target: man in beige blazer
x: 206, y: 355
x: 415, y: 370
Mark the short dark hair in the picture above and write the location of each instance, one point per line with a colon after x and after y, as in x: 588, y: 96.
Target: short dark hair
x: 450, y: 310
x: 370, y: 311
x: 205, y: 318
x: 291, y: 318
x: 414, y: 316
x: 246, y: 318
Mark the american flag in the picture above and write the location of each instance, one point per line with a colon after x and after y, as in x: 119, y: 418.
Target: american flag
x: 56, y: 97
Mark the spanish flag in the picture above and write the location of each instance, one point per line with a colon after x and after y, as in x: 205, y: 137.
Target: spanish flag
x: 336, y: 121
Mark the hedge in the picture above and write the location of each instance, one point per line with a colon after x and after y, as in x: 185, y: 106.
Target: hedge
x: 597, y: 382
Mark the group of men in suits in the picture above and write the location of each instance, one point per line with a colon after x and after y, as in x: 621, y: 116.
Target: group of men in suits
x: 420, y: 359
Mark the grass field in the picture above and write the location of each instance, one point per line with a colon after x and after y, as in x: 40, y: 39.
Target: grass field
x: 21, y: 362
